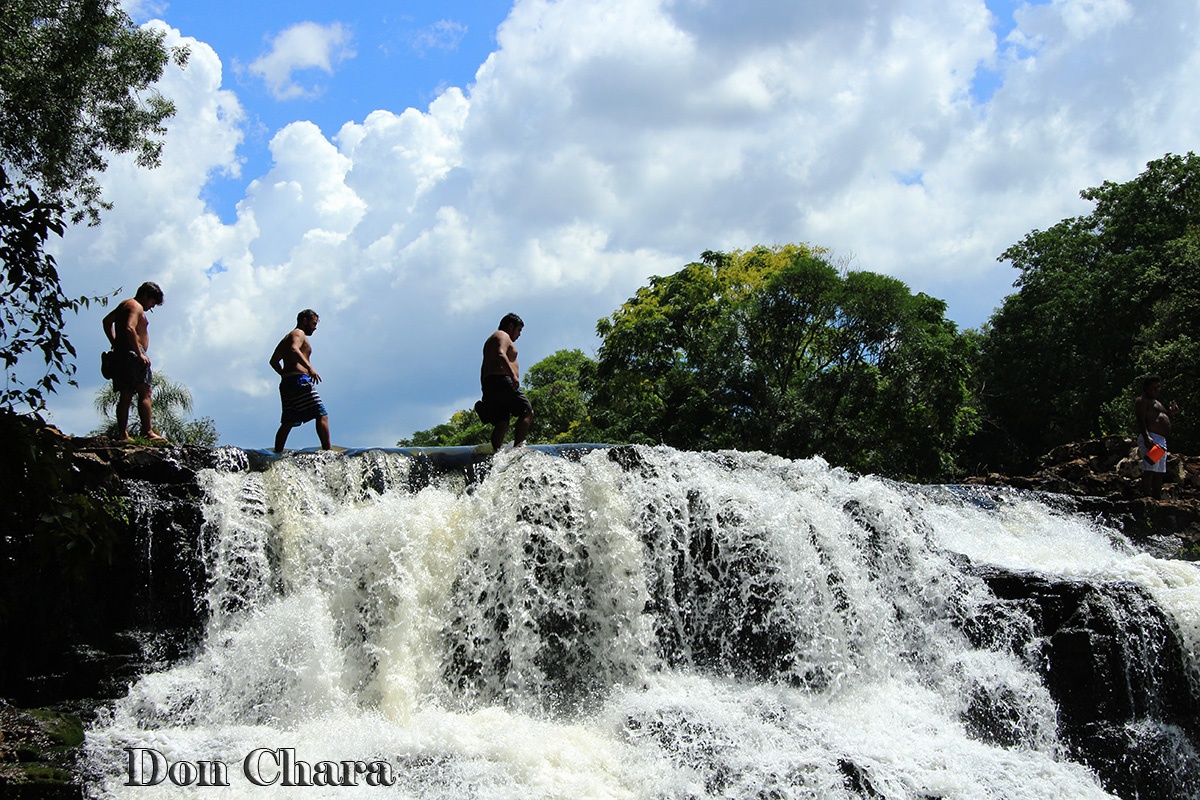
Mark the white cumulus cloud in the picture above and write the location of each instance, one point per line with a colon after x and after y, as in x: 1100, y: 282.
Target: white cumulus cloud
x: 605, y: 141
x: 299, y: 49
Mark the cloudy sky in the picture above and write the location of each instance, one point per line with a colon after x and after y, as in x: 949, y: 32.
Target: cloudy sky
x: 414, y: 170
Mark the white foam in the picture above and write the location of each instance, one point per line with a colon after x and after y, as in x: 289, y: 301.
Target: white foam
x: 725, y: 625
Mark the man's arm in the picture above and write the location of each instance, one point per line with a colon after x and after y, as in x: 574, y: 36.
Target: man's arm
x: 276, y: 360
x: 279, y: 358
x: 507, y: 355
x: 109, y: 323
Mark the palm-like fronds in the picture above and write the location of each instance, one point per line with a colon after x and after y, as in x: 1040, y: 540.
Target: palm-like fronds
x: 170, y: 402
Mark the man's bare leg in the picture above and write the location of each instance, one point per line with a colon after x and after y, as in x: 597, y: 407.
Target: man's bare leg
x: 144, y: 414
x: 1152, y: 483
x: 498, y: 434
x: 522, y: 429
x: 281, y: 437
x: 124, y: 401
x: 323, y: 432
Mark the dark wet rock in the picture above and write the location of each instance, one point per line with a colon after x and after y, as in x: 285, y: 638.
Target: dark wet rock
x: 1102, y: 477
x: 1116, y: 667
x: 37, y: 753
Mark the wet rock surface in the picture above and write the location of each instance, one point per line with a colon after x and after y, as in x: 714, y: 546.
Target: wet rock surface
x: 1102, y: 477
x: 1117, y: 669
x: 1122, y: 704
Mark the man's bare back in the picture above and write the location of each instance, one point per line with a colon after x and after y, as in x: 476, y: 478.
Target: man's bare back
x: 500, y: 356
x: 126, y: 326
x: 128, y: 332
x: 1152, y: 415
x: 500, y: 380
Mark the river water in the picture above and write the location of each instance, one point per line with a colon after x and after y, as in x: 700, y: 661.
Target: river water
x: 655, y: 625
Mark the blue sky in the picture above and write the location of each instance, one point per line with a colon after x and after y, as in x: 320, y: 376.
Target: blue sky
x: 392, y: 55
x: 415, y: 170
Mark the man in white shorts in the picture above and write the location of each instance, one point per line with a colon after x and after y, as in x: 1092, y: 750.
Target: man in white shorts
x: 1154, y: 425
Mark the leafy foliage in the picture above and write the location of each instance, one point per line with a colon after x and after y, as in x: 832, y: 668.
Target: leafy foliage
x: 559, y: 387
x: 464, y: 428
x: 169, y: 402
x: 60, y: 525
x: 771, y: 349
x: 76, y: 84
x: 1101, y: 299
x: 34, y: 303
x: 776, y: 349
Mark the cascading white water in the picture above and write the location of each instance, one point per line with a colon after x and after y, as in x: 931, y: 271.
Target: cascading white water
x: 655, y: 625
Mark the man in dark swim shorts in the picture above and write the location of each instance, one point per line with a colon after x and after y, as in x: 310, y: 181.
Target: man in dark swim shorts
x: 129, y: 372
x: 500, y: 379
x: 128, y: 332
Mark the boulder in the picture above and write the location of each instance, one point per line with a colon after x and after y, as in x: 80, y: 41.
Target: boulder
x: 1102, y: 477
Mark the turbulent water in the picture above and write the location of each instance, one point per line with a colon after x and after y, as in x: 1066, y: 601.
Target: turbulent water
x: 641, y: 623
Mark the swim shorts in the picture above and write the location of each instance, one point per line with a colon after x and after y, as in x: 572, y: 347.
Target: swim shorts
x: 128, y: 371
x: 501, y: 399
x: 1147, y: 464
x: 300, y: 400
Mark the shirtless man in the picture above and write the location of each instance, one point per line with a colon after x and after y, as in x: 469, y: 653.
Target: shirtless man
x: 128, y: 335
x: 297, y: 382
x: 1154, y: 425
x: 500, y: 379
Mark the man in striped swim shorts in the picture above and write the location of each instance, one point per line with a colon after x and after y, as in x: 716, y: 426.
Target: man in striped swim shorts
x: 297, y: 382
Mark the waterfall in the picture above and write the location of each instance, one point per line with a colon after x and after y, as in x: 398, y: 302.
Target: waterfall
x: 648, y: 623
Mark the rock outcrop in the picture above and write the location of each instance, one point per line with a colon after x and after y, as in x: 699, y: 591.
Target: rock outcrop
x: 81, y: 637
x: 1103, y: 477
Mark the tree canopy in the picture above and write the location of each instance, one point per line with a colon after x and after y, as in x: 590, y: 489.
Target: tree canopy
x: 777, y: 349
x: 770, y: 349
x: 559, y: 387
x: 76, y: 84
x: 560, y: 390
x: 1101, y: 300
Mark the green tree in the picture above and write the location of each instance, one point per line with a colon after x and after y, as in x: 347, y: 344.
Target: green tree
x: 170, y: 402
x: 661, y: 355
x: 1100, y: 300
x: 560, y: 389
x: 769, y: 349
x: 1170, y: 346
x: 32, y: 314
x: 76, y: 84
x: 776, y: 349
x: 464, y: 428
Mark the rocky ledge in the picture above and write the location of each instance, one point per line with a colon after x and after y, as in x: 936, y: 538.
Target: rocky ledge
x: 1099, y: 477
x: 1103, y: 477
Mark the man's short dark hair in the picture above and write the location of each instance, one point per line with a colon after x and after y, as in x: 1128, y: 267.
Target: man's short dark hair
x: 1151, y: 379
x: 307, y: 313
x: 150, y: 291
x: 511, y: 319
